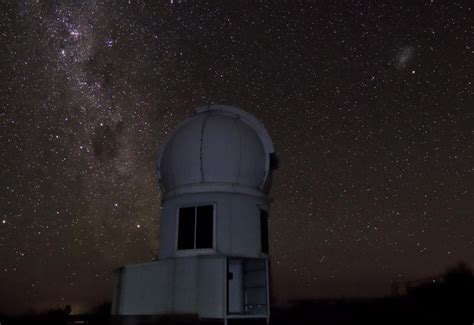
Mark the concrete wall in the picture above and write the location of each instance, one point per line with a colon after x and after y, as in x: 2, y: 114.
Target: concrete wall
x: 237, y: 223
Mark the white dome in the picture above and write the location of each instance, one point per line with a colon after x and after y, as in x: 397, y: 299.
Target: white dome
x: 220, y: 149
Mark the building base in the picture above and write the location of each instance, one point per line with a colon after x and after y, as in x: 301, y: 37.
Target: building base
x: 192, y: 290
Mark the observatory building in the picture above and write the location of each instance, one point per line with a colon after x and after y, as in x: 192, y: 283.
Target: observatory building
x: 214, y: 172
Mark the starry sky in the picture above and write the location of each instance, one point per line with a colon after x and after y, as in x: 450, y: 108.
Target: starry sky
x: 370, y: 107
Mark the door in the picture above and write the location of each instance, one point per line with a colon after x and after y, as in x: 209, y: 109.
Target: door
x: 235, y: 287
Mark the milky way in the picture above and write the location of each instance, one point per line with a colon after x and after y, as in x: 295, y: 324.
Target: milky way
x: 370, y: 110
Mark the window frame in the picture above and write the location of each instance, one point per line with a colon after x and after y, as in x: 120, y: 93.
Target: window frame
x: 185, y: 252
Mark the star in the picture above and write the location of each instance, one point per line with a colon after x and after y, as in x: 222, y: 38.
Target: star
x: 369, y: 109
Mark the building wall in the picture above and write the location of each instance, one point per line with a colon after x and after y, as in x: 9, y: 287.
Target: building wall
x: 237, y: 223
x: 144, y: 289
x: 185, y: 285
x: 212, y: 279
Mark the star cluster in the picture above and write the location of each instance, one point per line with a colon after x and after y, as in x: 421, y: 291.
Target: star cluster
x: 370, y: 108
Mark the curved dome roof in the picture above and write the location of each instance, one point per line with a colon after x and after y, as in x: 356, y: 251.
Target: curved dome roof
x: 220, y: 149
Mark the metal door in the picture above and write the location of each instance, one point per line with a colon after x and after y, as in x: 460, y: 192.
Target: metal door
x: 235, y: 287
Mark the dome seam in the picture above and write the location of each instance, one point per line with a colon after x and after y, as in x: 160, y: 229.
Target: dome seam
x: 200, y: 149
x: 240, y: 147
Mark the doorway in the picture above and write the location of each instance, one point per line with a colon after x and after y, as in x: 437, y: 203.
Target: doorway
x: 235, y: 287
x: 247, y: 292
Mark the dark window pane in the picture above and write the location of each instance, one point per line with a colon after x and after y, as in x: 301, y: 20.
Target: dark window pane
x: 264, y: 231
x: 186, y: 228
x: 204, y: 230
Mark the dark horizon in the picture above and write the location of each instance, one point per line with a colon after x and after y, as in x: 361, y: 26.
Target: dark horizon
x: 443, y: 299
x: 369, y: 108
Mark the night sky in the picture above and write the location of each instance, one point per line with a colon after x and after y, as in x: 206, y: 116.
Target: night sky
x: 369, y: 105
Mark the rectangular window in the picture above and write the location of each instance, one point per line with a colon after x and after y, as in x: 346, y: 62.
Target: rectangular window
x: 186, y: 228
x: 264, y: 231
x: 204, y: 226
x: 196, y: 227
